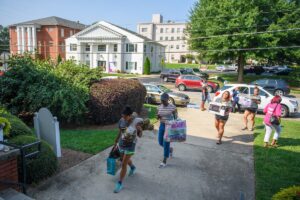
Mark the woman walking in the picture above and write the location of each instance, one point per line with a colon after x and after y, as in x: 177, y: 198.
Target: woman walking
x: 166, y: 111
x: 272, y: 120
x: 220, y: 120
x: 252, y: 110
x: 205, y: 95
x: 129, y: 128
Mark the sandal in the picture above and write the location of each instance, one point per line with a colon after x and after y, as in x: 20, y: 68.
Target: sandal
x: 245, y: 128
x: 250, y: 129
x: 219, y: 142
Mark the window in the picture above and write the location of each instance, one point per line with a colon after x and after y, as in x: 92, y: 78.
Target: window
x: 115, y: 47
x: 87, y: 62
x: 145, y: 48
x: 161, y: 38
x: 144, y: 30
x: 166, y: 38
x: 172, y: 57
x: 62, y: 32
x: 87, y: 47
x: 177, y: 46
x: 171, y: 46
x: 183, y: 37
x: 62, y: 47
x: 161, y: 30
x: 131, y: 65
x: 102, y: 47
x: 272, y: 82
x: 172, y: 38
x: 178, y: 38
x: 183, y: 46
x: 131, y: 47
x: 172, y: 30
x: 73, y: 47
x: 178, y: 30
x: 244, y: 90
x: 50, y: 44
x: 71, y: 32
x: 152, y: 49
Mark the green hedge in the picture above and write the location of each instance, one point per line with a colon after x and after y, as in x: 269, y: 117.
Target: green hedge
x: 291, y: 193
x: 7, y: 126
x: 18, y: 127
x: 40, y: 167
x: 108, y: 98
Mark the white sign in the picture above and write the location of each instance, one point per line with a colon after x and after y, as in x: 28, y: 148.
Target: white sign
x: 47, y: 128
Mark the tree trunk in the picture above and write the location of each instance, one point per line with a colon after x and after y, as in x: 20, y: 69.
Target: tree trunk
x: 241, y: 63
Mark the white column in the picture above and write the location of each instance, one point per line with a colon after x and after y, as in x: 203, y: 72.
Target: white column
x: 19, y: 39
x: 107, y: 57
x: 34, y: 39
x: 91, y: 56
x: 23, y: 39
x: 29, y: 41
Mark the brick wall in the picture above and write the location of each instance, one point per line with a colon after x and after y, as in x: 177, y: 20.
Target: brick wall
x: 9, y: 172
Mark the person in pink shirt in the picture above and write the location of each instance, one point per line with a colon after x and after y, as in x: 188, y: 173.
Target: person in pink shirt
x: 272, y: 109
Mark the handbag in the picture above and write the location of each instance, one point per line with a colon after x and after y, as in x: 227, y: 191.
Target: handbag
x: 274, y: 120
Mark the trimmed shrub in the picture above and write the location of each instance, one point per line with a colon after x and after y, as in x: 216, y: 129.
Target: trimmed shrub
x: 147, y: 66
x: 109, y: 97
x: 7, y: 127
x: 18, y: 127
x: 40, y: 167
x: 292, y: 193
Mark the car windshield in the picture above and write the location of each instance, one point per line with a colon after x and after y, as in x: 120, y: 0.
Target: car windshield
x: 164, y: 89
x: 196, y: 70
x: 225, y: 87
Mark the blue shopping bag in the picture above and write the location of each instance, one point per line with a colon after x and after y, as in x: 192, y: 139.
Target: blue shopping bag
x: 113, y: 165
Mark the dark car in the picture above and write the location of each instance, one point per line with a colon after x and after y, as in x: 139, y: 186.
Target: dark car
x: 254, y: 70
x: 194, y: 71
x: 274, y: 86
x: 194, y: 82
x: 169, y: 75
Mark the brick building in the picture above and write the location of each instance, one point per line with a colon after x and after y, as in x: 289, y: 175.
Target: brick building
x: 44, y: 37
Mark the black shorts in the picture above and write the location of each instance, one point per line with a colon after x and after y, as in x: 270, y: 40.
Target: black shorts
x: 252, y: 110
x: 222, y: 118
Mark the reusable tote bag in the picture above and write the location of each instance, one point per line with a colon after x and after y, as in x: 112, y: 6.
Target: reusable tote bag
x: 175, y: 131
x: 113, y: 162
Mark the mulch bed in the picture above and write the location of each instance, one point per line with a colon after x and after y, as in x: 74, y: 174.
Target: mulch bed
x: 71, y: 158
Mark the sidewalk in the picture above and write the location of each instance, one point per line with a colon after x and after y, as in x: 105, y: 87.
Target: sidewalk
x: 200, y: 169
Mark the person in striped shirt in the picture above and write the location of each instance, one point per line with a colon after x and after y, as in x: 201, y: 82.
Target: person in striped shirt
x: 166, y: 111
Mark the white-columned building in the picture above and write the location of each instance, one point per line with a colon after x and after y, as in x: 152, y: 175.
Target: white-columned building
x: 170, y: 34
x: 114, y: 48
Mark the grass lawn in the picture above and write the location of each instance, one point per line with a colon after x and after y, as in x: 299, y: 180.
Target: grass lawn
x: 152, y: 112
x: 277, y: 168
x: 88, y: 141
x: 183, y: 65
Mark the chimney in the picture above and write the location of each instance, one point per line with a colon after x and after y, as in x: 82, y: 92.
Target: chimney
x: 157, y: 18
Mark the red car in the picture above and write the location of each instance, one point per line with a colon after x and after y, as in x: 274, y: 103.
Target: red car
x: 1, y: 73
x: 194, y: 82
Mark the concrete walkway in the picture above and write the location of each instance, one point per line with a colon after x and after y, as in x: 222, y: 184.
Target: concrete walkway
x: 200, y: 169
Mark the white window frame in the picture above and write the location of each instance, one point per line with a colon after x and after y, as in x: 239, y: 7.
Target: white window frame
x: 73, y: 47
x: 130, y: 48
x: 144, y: 29
x: 131, y: 65
x: 115, y: 47
x: 101, y: 49
x: 87, y: 48
x: 161, y: 30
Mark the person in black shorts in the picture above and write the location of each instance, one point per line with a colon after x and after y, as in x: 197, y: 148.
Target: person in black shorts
x: 220, y: 120
x: 252, y: 110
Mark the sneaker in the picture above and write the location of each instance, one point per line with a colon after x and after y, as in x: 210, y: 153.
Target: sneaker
x: 250, y: 129
x: 132, y: 171
x: 118, y: 187
x: 245, y: 128
x: 162, y: 165
x: 171, y: 152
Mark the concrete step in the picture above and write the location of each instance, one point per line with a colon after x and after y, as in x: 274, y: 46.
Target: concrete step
x: 11, y: 194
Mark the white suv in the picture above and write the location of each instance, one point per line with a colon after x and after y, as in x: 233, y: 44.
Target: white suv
x: 289, y: 105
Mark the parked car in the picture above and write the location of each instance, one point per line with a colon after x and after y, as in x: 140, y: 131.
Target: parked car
x: 221, y: 68
x: 154, y: 91
x: 258, y: 70
x: 194, y: 71
x: 169, y: 75
x: 233, y: 67
x: 1, y: 73
x: 274, y: 86
x: 185, y: 82
x: 289, y: 105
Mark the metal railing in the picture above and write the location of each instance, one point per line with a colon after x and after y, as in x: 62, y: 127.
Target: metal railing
x: 23, y: 157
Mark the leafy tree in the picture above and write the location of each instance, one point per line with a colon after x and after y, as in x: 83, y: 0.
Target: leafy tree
x: 4, y: 39
x: 189, y: 58
x: 219, y: 30
x: 59, y: 59
x: 147, y: 66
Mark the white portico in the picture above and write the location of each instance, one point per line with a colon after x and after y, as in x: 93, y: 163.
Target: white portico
x: 113, y: 48
x: 26, y: 38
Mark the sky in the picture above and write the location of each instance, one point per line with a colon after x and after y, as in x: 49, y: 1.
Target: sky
x: 125, y: 13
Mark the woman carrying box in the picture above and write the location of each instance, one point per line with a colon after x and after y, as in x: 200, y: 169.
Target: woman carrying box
x: 165, y: 112
x: 220, y: 120
x: 129, y: 128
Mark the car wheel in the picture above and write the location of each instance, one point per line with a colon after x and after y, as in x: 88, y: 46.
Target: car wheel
x: 171, y: 100
x: 149, y: 100
x: 181, y: 87
x: 279, y: 92
x: 209, y: 89
x: 284, y: 111
x: 165, y: 79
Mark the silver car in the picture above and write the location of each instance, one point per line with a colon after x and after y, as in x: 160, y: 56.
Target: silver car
x: 154, y: 91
